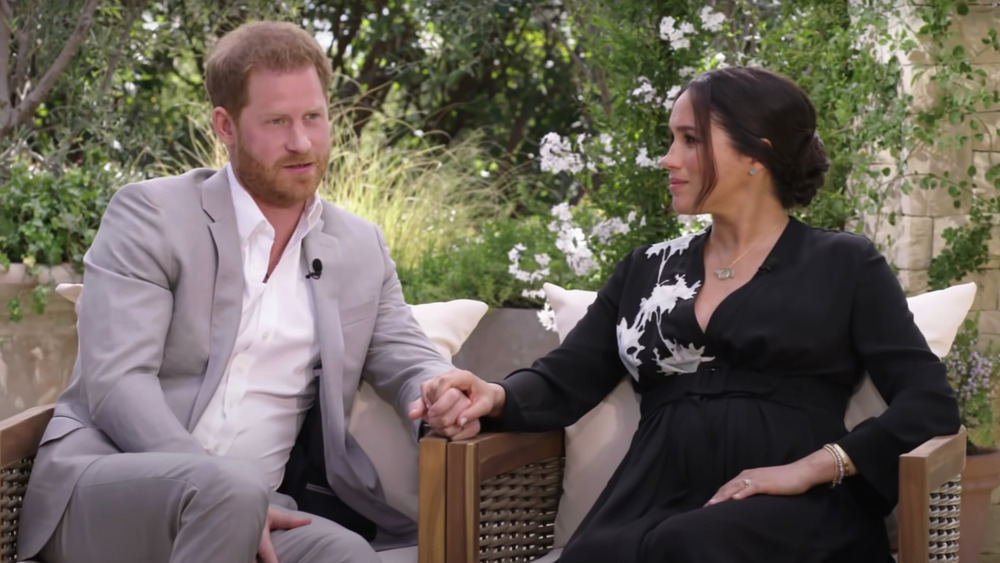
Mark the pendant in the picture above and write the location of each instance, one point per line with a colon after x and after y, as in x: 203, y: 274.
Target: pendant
x: 724, y: 273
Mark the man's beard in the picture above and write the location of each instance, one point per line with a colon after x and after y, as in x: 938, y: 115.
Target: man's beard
x: 266, y: 184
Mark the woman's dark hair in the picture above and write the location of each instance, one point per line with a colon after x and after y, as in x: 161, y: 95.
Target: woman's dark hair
x: 752, y: 105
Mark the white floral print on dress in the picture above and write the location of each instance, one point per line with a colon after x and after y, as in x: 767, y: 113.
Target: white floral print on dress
x: 661, y: 301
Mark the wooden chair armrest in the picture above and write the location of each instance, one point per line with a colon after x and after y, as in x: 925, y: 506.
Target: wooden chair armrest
x: 21, y: 434
x: 503, y: 490
x: 431, y: 503
x: 929, y: 496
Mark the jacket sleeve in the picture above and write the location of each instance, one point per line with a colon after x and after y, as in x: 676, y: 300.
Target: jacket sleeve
x: 906, y: 372
x: 125, y: 313
x: 563, y: 385
x: 400, y: 355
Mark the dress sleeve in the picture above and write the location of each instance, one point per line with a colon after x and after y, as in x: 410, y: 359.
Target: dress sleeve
x: 909, y: 376
x: 563, y: 385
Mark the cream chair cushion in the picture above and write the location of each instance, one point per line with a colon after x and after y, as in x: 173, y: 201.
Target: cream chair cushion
x: 386, y: 438
x: 596, y: 444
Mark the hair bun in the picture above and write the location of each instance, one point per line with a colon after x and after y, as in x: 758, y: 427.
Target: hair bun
x: 807, y: 173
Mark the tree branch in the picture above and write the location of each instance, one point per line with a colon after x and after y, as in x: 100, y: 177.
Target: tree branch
x: 34, y: 98
x: 25, y: 39
x: 116, y: 55
x: 6, y: 109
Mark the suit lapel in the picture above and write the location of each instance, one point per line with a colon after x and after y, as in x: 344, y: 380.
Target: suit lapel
x: 227, y: 303
x: 319, y: 245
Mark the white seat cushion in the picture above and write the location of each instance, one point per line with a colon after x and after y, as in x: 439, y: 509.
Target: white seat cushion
x: 402, y: 555
x: 596, y: 444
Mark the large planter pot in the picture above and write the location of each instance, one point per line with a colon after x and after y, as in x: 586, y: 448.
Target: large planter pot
x: 505, y: 340
x: 37, y: 352
x: 980, y: 477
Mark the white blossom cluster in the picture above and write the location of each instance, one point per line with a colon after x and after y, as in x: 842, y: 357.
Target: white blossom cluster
x: 557, y: 153
x: 574, y: 244
x: 679, y: 35
x: 542, y: 260
x: 676, y: 35
x: 647, y: 94
x: 642, y: 160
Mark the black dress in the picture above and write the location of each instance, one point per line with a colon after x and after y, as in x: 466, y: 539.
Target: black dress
x: 765, y: 384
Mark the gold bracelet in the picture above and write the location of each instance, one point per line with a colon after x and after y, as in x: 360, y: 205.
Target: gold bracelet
x: 844, y: 458
x: 839, y: 461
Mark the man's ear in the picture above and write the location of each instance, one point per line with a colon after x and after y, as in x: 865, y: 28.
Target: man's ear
x: 224, y: 125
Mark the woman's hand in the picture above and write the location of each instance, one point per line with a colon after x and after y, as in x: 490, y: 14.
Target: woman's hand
x: 453, y: 402
x: 784, y: 480
x: 779, y: 480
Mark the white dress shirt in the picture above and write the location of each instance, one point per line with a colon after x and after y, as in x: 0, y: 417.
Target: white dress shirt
x: 269, y: 382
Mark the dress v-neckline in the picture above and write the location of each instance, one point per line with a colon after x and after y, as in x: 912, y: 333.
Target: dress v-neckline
x: 700, y: 268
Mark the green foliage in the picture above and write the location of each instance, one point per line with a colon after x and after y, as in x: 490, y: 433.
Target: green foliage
x: 479, y: 266
x: 50, y: 217
x: 967, y: 248
x: 974, y: 372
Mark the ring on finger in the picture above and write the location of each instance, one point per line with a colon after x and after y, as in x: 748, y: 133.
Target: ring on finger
x: 747, y: 483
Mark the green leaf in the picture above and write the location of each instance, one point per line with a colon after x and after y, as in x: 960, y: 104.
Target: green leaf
x: 971, y: 172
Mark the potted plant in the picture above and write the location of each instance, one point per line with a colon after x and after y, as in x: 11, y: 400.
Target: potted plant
x: 974, y: 372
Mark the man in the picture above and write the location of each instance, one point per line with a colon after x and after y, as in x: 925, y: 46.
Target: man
x: 223, y: 313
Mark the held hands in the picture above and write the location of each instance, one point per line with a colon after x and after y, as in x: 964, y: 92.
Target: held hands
x: 453, y: 402
x: 277, y: 520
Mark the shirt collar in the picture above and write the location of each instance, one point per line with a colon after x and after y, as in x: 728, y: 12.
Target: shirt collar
x: 249, y: 217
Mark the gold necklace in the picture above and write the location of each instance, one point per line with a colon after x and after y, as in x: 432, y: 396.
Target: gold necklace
x: 726, y: 272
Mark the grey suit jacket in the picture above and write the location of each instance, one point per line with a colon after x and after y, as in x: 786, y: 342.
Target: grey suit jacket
x: 158, y: 322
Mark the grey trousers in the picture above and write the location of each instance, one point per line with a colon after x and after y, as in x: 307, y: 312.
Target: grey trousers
x: 182, y: 508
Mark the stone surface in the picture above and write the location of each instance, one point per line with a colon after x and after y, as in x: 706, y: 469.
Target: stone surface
x: 987, y: 292
x: 990, y: 127
x: 914, y: 282
x: 911, y: 247
x: 37, y: 352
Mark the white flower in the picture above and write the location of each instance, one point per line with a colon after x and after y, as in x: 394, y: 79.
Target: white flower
x: 418, y: 133
x: 547, y: 317
x: 645, y: 91
x: 711, y: 20
x: 686, y: 72
x: 557, y: 155
x: 642, y: 160
x: 543, y: 259
x: 670, y: 98
x: 667, y: 28
x: 676, y: 35
x: 561, y: 212
x: 605, y: 230
x: 533, y: 293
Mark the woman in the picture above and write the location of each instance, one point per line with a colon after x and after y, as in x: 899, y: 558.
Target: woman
x: 744, y: 343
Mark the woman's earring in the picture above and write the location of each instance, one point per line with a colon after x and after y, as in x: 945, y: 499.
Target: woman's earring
x: 753, y: 171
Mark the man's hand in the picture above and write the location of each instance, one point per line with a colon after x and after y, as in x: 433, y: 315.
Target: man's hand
x: 277, y: 520
x: 453, y: 402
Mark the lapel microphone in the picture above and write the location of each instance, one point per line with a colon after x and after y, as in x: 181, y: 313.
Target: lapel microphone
x: 317, y: 270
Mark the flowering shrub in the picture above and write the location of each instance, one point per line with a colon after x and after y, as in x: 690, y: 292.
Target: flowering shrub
x: 974, y: 372
x: 635, y: 55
